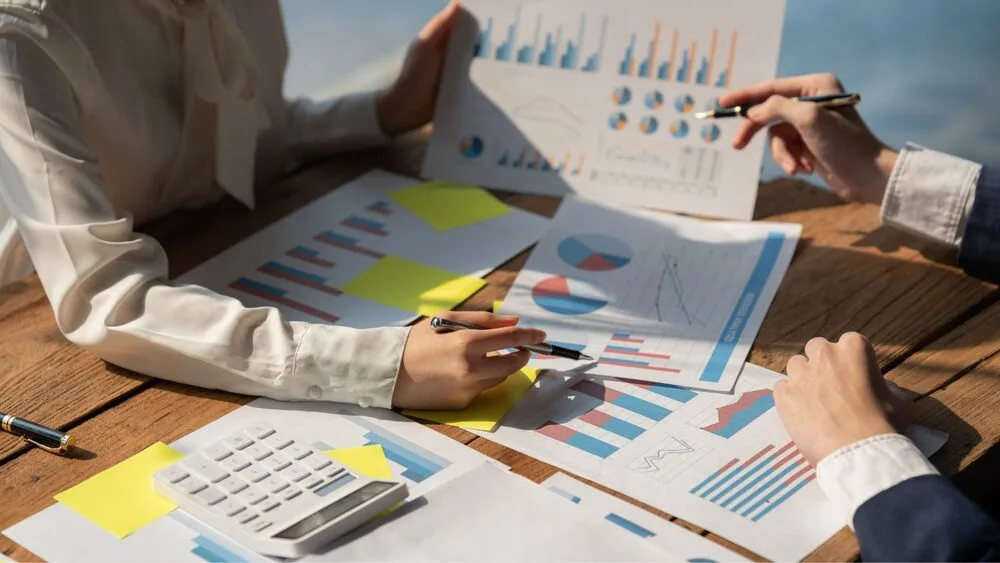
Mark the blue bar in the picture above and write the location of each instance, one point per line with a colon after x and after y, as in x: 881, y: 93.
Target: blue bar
x: 629, y: 525
x: 778, y: 502
x: 664, y: 70
x: 365, y: 222
x: 640, y: 407
x: 623, y: 69
x: 733, y: 473
x: 644, y: 68
x: 702, y: 76
x: 548, y: 53
x: 262, y: 287
x: 213, y: 552
x: 722, y: 78
x: 297, y: 273
x: 756, y: 480
x: 339, y: 238
x: 706, y: 481
x: 621, y: 335
x: 591, y: 445
x: 744, y: 307
x: 683, y: 68
x: 483, y: 47
x: 414, y: 471
x: 620, y: 349
x: 764, y: 487
x: 634, y: 363
x: 566, y: 495
x: 402, y: 455
x: 763, y: 462
x: 622, y: 428
x: 307, y: 251
x: 678, y: 394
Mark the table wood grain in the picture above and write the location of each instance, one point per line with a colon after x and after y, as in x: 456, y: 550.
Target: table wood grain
x: 935, y: 331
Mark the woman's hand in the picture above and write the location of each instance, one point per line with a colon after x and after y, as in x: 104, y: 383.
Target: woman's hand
x: 835, y: 395
x: 409, y: 103
x: 448, y: 371
x: 834, y: 143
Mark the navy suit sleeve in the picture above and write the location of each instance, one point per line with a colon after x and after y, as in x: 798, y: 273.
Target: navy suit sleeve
x: 925, y: 518
x: 979, y: 254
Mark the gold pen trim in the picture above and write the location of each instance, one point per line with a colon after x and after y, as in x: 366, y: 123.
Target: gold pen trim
x: 5, y: 423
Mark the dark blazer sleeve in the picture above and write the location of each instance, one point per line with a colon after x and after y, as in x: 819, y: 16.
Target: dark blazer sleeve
x: 979, y: 254
x: 925, y: 518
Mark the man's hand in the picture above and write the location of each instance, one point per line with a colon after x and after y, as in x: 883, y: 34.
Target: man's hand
x: 835, y: 395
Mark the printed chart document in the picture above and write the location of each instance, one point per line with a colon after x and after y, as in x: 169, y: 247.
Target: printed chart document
x: 723, y: 462
x: 677, y: 543
x: 379, y: 251
x: 494, y: 515
x: 654, y: 297
x: 598, y: 98
x: 418, y: 456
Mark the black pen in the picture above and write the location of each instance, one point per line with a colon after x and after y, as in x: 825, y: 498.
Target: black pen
x: 46, y: 438
x: 544, y: 348
x: 824, y: 101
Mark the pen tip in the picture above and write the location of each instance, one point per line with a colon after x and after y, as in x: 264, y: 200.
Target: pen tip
x: 586, y: 357
x: 704, y: 114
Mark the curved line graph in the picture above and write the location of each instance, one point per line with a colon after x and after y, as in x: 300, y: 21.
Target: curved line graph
x: 670, y: 273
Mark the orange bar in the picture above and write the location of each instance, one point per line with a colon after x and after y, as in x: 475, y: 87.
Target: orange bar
x: 579, y: 166
x: 711, y: 57
x: 565, y: 167
x: 673, y: 56
x: 651, y: 61
x: 732, y: 57
x: 691, y: 59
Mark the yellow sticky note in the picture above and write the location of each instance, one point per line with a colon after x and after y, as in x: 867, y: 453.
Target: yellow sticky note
x: 121, y: 499
x: 445, y: 205
x: 496, y: 306
x: 411, y: 286
x: 369, y: 461
x: 489, y: 408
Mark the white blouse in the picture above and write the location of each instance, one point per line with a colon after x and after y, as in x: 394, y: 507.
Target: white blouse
x: 119, y: 111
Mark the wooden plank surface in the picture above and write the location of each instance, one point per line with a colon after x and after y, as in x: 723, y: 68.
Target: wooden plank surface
x: 848, y: 274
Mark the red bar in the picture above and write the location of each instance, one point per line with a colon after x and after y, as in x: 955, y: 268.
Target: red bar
x: 758, y: 455
x: 638, y: 354
x: 596, y: 391
x: 363, y: 228
x: 332, y: 319
x: 351, y: 247
x: 726, y: 467
x: 556, y: 431
x: 650, y: 368
x: 633, y: 340
x: 596, y: 417
x: 310, y: 259
x: 307, y: 283
x: 800, y: 473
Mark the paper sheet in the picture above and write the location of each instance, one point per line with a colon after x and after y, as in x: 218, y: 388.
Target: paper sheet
x: 674, y: 540
x: 305, y: 263
x: 597, y: 98
x: 411, y: 286
x: 488, y: 408
x: 417, y: 456
x: 723, y: 462
x: 120, y: 499
x: 653, y: 296
x: 369, y: 461
x: 481, y: 516
x: 446, y: 205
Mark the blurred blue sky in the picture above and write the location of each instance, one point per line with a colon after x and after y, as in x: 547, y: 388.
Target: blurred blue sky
x: 928, y: 70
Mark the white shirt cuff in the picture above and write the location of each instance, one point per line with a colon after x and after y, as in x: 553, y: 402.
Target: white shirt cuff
x: 855, y: 473
x: 930, y: 194
x: 360, y: 367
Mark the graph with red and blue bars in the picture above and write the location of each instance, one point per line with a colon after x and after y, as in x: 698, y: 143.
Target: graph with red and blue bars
x: 599, y: 418
x: 754, y: 487
x: 624, y: 350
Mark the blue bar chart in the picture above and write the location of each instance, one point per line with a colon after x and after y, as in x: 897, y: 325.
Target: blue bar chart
x: 418, y: 464
x: 678, y: 58
x: 579, y: 47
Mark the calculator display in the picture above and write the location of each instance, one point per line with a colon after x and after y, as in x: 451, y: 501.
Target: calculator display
x: 333, y: 510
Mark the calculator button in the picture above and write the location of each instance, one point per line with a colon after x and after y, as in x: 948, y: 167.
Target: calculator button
x: 260, y: 431
x: 191, y: 486
x: 210, y: 496
x: 278, y: 441
x: 295, y: 473
x: 238, y: 442
x: 291, y: 493
x: 246, y: 517
x: 235, y: 463
x: 253, y: 495
x: 254, y: 473
x: 231, y: 485
x: 229, y: 507
x: 332, y: 471
x: 311, y: 482
x: 218, y: 451
x: 275, y: 463
x: 259, y: 525
x: 273, y: 484
x: 269, y: 505
x: 257, y: 452
x: 297, y: 452
x: 317, y: 462
x: 207, y: 469
x: 173, y: 474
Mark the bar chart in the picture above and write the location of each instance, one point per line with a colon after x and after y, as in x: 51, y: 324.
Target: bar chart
x: 365, y: 225
x: 533, y: 41
x: 279, y: 296
x: 677, y: 55
x: 531, y: 159
x: 726, y: 420
x: 755, y: 487
x: 625, y: 351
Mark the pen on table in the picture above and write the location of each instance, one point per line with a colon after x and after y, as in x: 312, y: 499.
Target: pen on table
x: 824, y: 101
x: 544, y: 348
x: 45, y: 438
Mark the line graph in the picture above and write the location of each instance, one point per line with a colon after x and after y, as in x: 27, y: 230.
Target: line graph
x: 670, y: 273
x: 727, y: 419
x: 674, y: 446
x: 544, y: 109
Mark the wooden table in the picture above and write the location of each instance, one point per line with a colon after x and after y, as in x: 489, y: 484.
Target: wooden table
x: 937, y: 333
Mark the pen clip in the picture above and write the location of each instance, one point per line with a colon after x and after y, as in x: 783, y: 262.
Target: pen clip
x: 59, y: 450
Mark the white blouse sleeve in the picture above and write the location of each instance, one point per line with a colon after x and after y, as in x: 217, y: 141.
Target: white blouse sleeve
x: 318, y: 129
x: 108, y: 285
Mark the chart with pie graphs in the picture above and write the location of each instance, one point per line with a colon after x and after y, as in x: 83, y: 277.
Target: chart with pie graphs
x: 567, y: 296
x: 594, y: 252
x: 471, y: 146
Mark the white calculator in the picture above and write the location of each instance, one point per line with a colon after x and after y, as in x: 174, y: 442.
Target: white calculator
x: 274, y: 494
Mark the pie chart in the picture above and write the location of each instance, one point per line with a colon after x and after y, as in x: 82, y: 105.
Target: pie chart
x: 648, y: 124
x: 471, y: 147
x: 621, y: 96
x: 684, y: 103
x: 654, y: 99
x: 564, y: 296
x: 710, y: 133
x: 618, y: 121
x: 594, y: 253
x: 679, y: 128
